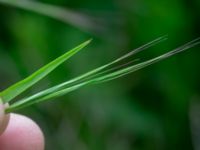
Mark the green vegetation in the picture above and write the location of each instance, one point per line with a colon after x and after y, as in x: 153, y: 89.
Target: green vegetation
x: 150, y: 109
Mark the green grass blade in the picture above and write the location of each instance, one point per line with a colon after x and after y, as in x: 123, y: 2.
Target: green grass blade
x: 16, y: 89
x: 104, y: 78
x: 95, y: 72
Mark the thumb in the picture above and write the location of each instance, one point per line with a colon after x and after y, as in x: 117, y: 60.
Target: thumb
x: 4, y: 118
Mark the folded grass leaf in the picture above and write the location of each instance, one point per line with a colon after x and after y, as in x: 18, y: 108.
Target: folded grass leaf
x: 16, y: 89
x: 98, y: 75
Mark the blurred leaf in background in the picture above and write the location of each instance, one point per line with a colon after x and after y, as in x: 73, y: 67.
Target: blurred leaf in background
x: 147, y: 110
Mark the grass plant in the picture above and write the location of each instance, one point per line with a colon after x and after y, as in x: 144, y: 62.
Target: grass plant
x: 113, y: 70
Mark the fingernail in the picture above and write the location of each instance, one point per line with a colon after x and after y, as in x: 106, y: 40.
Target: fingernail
x: 4, y: 118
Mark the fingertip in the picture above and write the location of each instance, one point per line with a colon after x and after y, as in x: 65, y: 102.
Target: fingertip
x: 22, y: 134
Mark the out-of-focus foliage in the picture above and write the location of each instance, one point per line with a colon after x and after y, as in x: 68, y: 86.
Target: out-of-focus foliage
x: 153, y: 109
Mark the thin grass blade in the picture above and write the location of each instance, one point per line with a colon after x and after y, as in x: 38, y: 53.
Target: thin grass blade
x: 95, y: 72
x: 16, y: 89
x: 105, y: 78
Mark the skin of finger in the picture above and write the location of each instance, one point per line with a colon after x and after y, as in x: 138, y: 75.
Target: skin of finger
x: 4, y: 118
x: 22, y: 134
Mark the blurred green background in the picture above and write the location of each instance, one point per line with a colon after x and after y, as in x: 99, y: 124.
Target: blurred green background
x: 157, y: 108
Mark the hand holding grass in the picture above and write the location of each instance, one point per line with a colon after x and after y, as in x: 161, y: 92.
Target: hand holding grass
x: 18, y: 132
